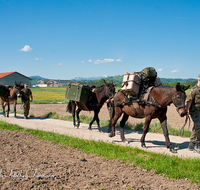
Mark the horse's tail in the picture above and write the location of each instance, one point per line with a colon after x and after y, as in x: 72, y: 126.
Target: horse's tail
x: 69, y: 107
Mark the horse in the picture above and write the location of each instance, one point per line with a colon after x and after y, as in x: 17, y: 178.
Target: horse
x: 98, y: 97
x: 10, y: 96
x: 156, y: 107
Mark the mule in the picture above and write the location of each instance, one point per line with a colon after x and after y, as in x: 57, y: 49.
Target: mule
x: 11, y: 96
x: 98, y: 97
x: 159, y: 98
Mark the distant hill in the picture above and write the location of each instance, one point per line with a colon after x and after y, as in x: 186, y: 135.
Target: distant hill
x: 37, y: 77
x: 88, y: 78
x: 119, y: 78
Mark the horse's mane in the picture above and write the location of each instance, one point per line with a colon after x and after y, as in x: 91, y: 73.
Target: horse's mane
x: 99, y: 89
x: 170, y: 87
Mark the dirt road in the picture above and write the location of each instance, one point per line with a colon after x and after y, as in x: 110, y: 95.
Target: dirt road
x: 41, y: 109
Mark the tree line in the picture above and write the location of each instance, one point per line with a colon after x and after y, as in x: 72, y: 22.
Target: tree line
x: 118, y: 81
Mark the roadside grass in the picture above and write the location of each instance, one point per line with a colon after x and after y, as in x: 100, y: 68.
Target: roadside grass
x: 154, y: 127
x: 169, y: 166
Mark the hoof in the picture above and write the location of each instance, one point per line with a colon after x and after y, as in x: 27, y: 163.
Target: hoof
x: 100, y: 130
x: 172, y: 150
x: 111, y: 135
x: 90, y: 128
x: 125, y: 141
x: 143, y: 145
x: 76, y: 126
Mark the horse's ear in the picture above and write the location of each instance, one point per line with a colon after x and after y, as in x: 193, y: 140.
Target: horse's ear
x: 105, y: 82
x: 15, y: 83
x: 20, y: 83
x: 178, y: 87
x: 186, y: 87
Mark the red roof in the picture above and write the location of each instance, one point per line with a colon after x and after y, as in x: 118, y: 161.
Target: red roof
x: 8, y: 73
x: 5, y: 74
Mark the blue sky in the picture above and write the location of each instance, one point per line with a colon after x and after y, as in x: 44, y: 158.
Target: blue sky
x: 64, y: 39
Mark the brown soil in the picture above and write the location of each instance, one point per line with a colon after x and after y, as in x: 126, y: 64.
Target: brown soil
x: 27, y: 162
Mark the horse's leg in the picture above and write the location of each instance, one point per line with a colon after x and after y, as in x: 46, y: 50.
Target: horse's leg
x: 145, y: 130
x: 15, y: 104
x: 122, y: 123
x: 73, y: 110
x: 78, y: 119
x: 96, y: 117
x: 163, y: 122
x: 8, y: 109
x: 117, y: 115
x: 90, y: 125
x: 3, y: 106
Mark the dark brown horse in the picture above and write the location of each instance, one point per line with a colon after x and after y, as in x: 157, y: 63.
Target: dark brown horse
x: 10, y: 96
x: 159, y: 99
x: 98, y: 97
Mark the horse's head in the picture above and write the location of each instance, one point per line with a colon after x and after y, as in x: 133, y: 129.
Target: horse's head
x: 110, y: 89
x: 16, y: 90
x: 179, y: 98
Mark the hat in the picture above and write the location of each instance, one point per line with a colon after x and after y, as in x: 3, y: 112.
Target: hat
x: 25, y: 84
x: 199, y: 76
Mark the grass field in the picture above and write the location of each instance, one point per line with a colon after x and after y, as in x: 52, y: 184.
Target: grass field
x: 48, y: 95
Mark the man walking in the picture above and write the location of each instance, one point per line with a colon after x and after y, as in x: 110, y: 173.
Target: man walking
x: 25, y: 98
x: 193, y: 106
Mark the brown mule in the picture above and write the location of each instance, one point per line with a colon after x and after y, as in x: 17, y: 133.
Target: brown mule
x: 160, y: 96
x: 11, y: 97
x: 95, y: 103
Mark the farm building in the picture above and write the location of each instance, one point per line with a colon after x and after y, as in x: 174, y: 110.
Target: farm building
x: 58, y: 83
x: 42, y: 83
x: 52, y: 83
x: 9, y: 78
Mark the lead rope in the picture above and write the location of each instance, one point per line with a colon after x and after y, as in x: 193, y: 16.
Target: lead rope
x: 182, y: 129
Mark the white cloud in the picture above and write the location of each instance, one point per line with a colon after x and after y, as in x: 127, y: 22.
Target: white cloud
x: 103, y: 61
x: 37, y: 59
x: 82, y: 61
x: 90, y: 60
x: 160, y: 70
x: 174, y: 71
x: 26, y: 48
x: 59, y: 64
x: 118, y: 60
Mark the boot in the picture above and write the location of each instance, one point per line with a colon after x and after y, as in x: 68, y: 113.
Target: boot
x: 197, y: 147
x: 191, y: 146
